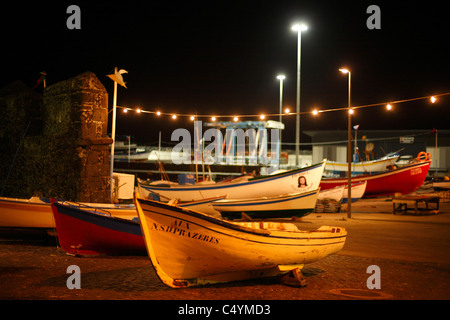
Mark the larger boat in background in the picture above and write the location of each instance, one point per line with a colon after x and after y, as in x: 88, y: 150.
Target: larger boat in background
x: 189, y: 248
x: 265, y: 186
x: 364, y: 167
x: 403, y: 180
x: 126, y: 151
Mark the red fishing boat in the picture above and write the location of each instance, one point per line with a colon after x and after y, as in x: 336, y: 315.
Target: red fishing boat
x: 403, y: 180
x: 84, y: 231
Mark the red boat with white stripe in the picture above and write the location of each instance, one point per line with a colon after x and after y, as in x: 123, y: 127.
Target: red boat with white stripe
x: 403, y: 180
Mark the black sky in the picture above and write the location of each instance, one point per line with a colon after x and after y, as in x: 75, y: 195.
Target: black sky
x: 222, y: 57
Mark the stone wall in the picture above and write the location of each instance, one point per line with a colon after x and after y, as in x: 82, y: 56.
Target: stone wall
x: 69, y: 158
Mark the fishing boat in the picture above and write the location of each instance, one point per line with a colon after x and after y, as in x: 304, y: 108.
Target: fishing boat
x: 85, y: 230
x: 36, y: 212
x: 441, y: 184
x: 126, y: 151
x: 336, y: 194
x: 269, y: 186
x: 363, y: 167
x: 358, y: 190
x: 284, y: 206
x: 403, y: 180
x: 189, y: 248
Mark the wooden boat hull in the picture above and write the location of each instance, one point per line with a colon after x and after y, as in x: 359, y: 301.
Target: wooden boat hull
x: 336, y: 194
x: 403, y: 180
x: 189, y: 248
x: 286, y: 206
x: 25, y: 213
x: 37, y: 212
x: 86, y: 232
x: 358, y: 190
x: 364, y: 167
x: 270, y: 186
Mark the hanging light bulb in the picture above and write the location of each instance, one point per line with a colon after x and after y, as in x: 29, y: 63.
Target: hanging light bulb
x: 125, y: 110
x: 388, y: 107
x: 138, y: 110
x: 315, y: 112
x: 235, y: 119
x: 174, y: 116
x: 433, y: 99
x: 192, y: 118
x: 213, y: 119
x: 262, y: 117
x: 158, y: 113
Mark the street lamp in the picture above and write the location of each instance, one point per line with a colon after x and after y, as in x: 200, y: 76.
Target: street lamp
x: 281, y: 77
x: 299, y: 28
x: 349, y: 144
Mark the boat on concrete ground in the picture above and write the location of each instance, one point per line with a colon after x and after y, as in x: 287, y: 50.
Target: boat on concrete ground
x: 189, y: 248
x: 87, y: 231
x: 403, y: 180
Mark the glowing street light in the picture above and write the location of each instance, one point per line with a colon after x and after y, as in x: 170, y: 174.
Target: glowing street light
x: 298, y: 28
x: 281, y: 77
x: 349, y: 144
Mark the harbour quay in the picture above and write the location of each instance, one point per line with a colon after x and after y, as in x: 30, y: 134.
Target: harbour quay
x: 410, y: 252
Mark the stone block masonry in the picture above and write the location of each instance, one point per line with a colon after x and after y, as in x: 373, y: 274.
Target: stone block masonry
x: 70, y: 157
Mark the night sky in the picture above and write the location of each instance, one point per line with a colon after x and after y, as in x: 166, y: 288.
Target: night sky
x: 222, y: 58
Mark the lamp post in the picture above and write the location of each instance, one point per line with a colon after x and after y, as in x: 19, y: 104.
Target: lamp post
x: 281, y: 77
x: 299, y: 28
x: 349, y: 145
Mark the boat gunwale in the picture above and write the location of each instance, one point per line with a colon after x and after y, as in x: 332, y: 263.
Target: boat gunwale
x: 361, y: 163
x: 93, y: 217
x: 260, y: 201
x: 236, y: 227
x: 251, y: 181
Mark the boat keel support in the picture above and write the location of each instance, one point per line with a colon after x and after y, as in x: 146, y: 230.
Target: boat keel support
x: 294, y: 278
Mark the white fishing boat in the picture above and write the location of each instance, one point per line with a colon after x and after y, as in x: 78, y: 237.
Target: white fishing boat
x: 335, y: 194
x: 363, y: 167
x: 293, y: 181
x: 189, y: 248
x: 284, y: 206
x: 125, y: 151
x: 358, y: 190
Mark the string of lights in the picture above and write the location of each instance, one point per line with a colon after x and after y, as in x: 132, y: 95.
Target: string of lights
x: 388, y: 105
